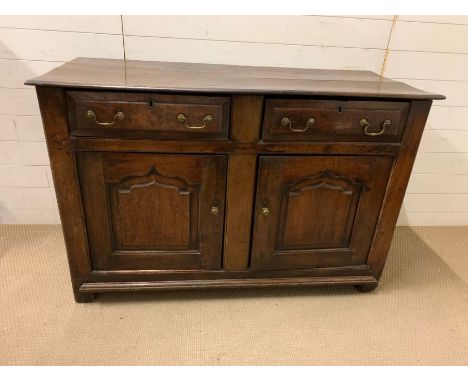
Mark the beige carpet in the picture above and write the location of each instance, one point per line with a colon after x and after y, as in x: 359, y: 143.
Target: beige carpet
x: 418, y: 314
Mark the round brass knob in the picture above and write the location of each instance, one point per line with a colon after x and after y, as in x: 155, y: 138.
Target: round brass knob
x: 120, y: 115
x: 214, y: 210
x: 265, y: 211
x: 285, y: 122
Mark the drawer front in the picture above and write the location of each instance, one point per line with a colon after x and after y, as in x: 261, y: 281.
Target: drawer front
x: 334, y: 120
x: 140, y: 115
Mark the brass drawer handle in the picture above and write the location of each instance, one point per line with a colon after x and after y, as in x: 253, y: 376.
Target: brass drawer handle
x: 365, y: 124
x: 90, y: 114
x: 265, y: 211
x: 183, y: 119
x: 287, y: 122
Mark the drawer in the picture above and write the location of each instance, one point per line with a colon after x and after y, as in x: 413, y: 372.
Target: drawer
x: 146, y: 115
x: 334, y: 120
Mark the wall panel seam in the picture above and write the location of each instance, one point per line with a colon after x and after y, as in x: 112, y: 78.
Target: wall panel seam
x: 30, y: 60
x: 446, y: 213
x: 426, y: 79
x: 123, y: 38
x: 20, y: 115
x: 437, y: 193
x: 439, y: 173
x: 431, y: 22
x: 439, y: 105
x: 58, y: 30
x: 429, y: 51
x: 255, y: 42
x: 444, y: 152
x: 25, y: 187
x: 352, y: 17
x: 392, y: 29
x: 21, y: 140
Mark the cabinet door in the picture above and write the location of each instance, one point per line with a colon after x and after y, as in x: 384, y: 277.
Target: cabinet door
x: 317, y: 211
x: 153, y: 211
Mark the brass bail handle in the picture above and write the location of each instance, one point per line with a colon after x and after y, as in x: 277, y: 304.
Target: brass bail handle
x: 183, y: 119
x: 365, y: 124
x: 287, y: 122
x: 120, y: 115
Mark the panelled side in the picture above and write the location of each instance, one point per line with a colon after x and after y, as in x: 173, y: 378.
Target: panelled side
x: 62, y: 161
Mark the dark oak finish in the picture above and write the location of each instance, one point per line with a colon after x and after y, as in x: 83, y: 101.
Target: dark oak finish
x: 240, y: 195
x: 62, y: 163
x: 365, y: 283
x: 245, y: 128
x: 246, y: 118
x: 147, y: 115
x: 397, y: 186
x: 337, y: 120
x: 317, y: 211
x: 92, y: 73
x: 147, y: 211
x: 358, y: 148
x: 150, y: 200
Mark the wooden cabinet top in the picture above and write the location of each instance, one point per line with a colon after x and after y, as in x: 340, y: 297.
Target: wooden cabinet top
x: 92, y: 73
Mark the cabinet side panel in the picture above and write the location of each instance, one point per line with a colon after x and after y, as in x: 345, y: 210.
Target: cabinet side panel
x: 397, y: 186
x: 62, y: 160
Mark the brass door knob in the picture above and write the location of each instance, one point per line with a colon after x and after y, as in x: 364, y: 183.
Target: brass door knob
x: 265, y: 211
x: 214, y: 210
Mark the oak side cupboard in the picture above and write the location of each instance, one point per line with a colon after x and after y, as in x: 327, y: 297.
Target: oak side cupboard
x: 180, y: 176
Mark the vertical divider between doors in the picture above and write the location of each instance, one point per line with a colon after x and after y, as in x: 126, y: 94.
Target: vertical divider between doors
x: 246, y: 121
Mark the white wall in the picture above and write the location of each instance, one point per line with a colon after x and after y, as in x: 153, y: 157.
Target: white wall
x: 429, y: 52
